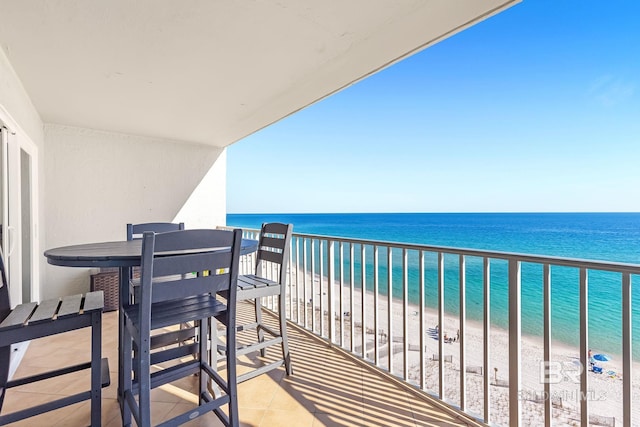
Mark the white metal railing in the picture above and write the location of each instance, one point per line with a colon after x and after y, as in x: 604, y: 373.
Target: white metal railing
x: 325, y: 281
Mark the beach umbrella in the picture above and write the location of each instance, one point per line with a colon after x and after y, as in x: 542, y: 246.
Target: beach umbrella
x: 601, y: 357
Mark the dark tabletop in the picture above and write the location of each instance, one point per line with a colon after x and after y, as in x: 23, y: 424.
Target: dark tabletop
x: 111, y: 254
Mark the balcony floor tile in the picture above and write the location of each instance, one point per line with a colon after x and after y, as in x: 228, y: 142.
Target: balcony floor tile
x: 328, y: 388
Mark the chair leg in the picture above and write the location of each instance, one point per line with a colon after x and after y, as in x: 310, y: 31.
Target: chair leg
x: 258, y: 304
x: 5, y: 361
x: 127, y: 381
x: 96, y: 368
x: 286, y: 356
x: 213, y: 356
x: 202, y: 358
x: 122, y: 337
x: 232, y: 377
x: 144, y: 381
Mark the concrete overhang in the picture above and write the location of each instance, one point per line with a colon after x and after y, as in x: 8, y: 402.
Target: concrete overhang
x: 211, y: 71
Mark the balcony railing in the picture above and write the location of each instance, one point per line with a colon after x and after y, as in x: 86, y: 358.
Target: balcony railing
x: 424, y: 290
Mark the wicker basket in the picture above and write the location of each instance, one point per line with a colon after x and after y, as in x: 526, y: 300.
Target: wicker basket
x: 108, y: 282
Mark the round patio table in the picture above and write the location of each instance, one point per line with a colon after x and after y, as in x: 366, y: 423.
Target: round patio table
x: 123, y: 254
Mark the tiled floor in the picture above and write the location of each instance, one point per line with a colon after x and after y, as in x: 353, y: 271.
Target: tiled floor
x: 328, y: 388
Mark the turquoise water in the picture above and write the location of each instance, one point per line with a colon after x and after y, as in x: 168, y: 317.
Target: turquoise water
x: 595, y: 236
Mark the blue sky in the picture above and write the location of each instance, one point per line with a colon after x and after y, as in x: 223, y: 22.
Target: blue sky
x: 534, y: 110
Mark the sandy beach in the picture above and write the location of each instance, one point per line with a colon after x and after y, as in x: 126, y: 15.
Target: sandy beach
x: 604, y: 390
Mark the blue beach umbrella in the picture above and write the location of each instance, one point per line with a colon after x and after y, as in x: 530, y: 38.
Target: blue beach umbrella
x: 601, y: 357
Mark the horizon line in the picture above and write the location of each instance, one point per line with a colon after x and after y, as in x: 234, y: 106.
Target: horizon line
x: 433, y: 213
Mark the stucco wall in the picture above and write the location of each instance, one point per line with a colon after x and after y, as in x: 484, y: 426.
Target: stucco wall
x: 97, y: 182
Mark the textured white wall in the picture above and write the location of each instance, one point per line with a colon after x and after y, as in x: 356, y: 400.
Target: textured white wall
x: 96, y: 182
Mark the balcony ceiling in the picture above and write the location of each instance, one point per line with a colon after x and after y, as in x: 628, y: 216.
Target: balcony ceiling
x: 210, y: 71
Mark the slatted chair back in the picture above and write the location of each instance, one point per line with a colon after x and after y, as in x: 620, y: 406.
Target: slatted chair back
x: 273, y: 250
x: 177, y: 265
x: 135, y: 231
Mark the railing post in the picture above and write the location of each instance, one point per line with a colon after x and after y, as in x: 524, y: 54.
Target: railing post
x: 291, y: 284
x: 313, y: 286
x: 320, y: 285
x: 547, y: 341
x: 487, y: 332
x: 405, y: 314
x: 441, y: 324
x: 463, y: 315
x: 390, y: 307
x: 423, y: 342
x: 515, y: 408
x: 304, y: 280
x: 363, y: 299
x: 341, y: 272
x: 330, y: 290
x: 298, y: 280
x: 627, y: 352
x: 351, y: 296
x: 584, y: 345
x: 376, y: 323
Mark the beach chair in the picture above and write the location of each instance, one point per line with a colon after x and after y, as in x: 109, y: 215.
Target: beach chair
x: 273, y: 254
x: 187, y: 332
x: 596, y: 369
x: 30, y: 321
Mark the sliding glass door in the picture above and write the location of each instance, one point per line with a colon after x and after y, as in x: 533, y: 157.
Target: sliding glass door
x: 18, y: 227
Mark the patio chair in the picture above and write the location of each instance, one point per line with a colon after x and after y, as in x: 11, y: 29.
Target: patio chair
x: 273, y: 254
x: 187, y: 331
x: 31, y: 321
x: 171, y: 294
x: 135, y: 231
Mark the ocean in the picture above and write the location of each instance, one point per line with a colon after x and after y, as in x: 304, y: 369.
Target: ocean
x: 593, y: 236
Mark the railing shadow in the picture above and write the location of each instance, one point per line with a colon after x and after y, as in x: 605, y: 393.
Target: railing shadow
x: 336, y: 389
